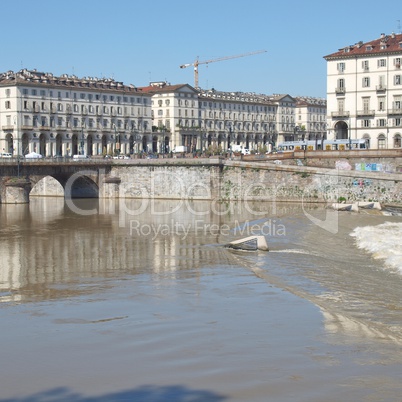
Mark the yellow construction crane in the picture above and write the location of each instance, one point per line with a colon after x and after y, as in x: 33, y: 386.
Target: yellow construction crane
x: 197, y: 63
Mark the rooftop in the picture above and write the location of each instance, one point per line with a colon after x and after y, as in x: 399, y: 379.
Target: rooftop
x: 383, y: 45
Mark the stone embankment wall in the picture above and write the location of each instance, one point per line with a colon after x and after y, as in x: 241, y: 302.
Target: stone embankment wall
x: 270, y: 182
x: 389, y: 159
x: 265, y: 181
x: 198, y: 182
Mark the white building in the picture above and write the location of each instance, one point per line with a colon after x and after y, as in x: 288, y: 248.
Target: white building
x: 199, y: 119
x: 364, y: 92
x: 66, y: 115
x: 311, y: 118
x: 174, y: 114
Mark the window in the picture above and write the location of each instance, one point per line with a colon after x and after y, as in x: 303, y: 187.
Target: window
x: 397, y: 62
x: 8, y: 92
x: 382, y: 63
x: 34, y: 92
x: 398, y: 122
x: 366, y: 123
x: 365, y: 65
x: 381, y: 122
x: 381, y: 141
x: 397, y: 141
x: 42, y: 92
x: 381, y: 103
x: 82, y: 96
x: 8, y: 105
x: 366, y: 82
x: 397, y: 80
x: 25, y: 91
x: 366, y: 104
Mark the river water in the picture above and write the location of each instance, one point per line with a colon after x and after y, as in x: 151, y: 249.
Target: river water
x: 140, y: 301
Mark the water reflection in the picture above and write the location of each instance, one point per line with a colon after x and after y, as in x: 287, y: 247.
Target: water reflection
x: 45, y: 244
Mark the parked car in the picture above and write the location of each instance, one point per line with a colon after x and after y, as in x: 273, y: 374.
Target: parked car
x: 80, y: 157
x: 6, y: 155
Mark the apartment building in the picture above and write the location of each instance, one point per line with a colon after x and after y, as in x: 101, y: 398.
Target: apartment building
x: 364, y: 92
x: 66, y: 115
x: 174, y: 114
x: 199, y: 119
x: 311, y: 118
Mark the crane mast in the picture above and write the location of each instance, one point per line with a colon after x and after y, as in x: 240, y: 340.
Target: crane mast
x: 197, y: 62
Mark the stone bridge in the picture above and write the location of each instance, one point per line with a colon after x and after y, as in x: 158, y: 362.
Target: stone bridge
x: 212, y: 179
x: 81, y: 178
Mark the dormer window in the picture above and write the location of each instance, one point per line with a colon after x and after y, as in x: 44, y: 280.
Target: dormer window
x: 369, y: 48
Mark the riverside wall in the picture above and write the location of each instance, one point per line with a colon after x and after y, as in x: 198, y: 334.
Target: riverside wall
x: 270, y: 182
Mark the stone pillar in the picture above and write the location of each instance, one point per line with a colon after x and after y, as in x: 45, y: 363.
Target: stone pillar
x: 110, y: 187
x: 216, y: 180
x: 16, y: 191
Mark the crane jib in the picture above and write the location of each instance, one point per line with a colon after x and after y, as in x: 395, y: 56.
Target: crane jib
x: 196, y: 63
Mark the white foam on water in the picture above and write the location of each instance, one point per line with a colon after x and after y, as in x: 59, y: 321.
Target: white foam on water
x: 383, y: 242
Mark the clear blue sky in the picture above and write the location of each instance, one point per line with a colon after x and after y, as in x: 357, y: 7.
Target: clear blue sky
x: 141, y: 41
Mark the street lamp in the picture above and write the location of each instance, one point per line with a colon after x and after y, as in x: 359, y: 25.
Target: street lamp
x: 82, y: 142
x: 117, y: 141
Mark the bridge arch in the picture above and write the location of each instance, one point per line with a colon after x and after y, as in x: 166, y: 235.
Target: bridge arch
x: 78, y: 185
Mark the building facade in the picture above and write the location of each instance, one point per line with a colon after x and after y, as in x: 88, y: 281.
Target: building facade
x: 364, y: 92
x: 63, y: 116
x: 201, y: 119
x: 66, y: 115
x: 311, y: 118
